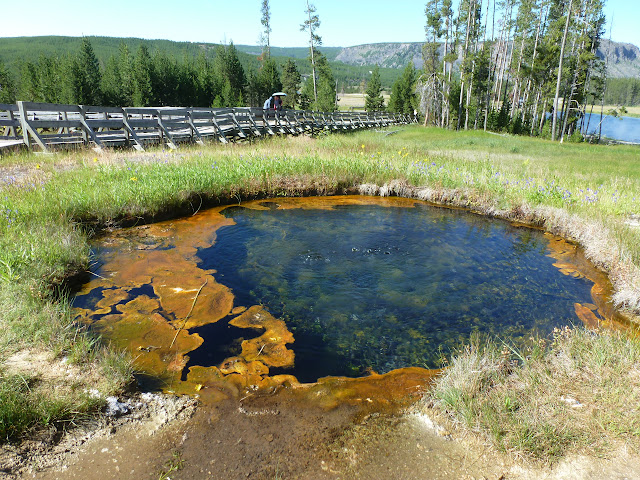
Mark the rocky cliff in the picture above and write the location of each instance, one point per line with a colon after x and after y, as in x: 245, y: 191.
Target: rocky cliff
x: 623, y: 58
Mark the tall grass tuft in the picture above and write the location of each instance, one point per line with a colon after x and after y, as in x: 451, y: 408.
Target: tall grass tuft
x: 580, y: 392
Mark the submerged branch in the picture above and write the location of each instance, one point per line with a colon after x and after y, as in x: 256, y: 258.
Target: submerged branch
x: 184, y: 322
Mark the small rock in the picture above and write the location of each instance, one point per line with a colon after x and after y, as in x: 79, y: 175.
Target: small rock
x: 115, y: 408
x: 93, y: 393
x: 572, y: 402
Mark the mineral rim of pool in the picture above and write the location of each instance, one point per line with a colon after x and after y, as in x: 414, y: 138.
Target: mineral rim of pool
x: 347, y: 299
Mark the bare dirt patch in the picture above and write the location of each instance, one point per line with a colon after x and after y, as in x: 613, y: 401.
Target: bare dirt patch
x: 118, y: 445
x: 52, y: 375
x: 41, y: 364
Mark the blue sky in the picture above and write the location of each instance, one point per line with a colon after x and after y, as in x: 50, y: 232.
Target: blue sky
x: 343, y: 22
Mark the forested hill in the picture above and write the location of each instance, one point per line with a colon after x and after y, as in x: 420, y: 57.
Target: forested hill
x: 292, y: 52
x: 15, y: 51
x: 350, y: 65
x: 29, y: 49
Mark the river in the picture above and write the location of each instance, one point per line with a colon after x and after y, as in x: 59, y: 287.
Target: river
x: 625, y: 129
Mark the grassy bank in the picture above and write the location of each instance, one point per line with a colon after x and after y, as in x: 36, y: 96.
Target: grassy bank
x: 581, y: 394
x: 50, y: 206
x: 631, y: 111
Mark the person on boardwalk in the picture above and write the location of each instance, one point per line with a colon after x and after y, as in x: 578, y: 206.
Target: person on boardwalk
x: 274, y: 102
x: 277, y: 103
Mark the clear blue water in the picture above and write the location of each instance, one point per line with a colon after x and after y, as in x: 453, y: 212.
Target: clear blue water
x: 372, y: 287
x: 626, y: 129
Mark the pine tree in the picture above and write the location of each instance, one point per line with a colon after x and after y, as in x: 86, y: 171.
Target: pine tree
x: 229, y: 71
x: 265, y: 37
x: 67, y: 78
x: 430, y: 83
x: 165, y: 79
x: 48, y: 72
x: 254, y: 88
x: 142, y: 73
x: 28, y: 83
x: 434, y: 32
x: 373, y: 101
x: 270, y: 78
x: 262, y: 84
x: 112, y: 83
x: 403, y: 98
x: 450, y: 55
x: 126, y: 71
x: 87, y: 76
x: 290, y: 83
x: 311, y: 25
x: 204, y: 81
x: 559, y: 78
x: 7, y: 87
x: 326, y: 86
x: 305, y: 100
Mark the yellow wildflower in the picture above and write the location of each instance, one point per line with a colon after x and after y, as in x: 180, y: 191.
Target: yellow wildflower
x: 134, y: 179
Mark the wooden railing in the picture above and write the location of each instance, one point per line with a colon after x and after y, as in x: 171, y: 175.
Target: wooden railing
x: 47, y: 126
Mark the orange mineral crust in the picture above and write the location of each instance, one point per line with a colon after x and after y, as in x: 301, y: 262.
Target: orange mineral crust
x: 161, y: 261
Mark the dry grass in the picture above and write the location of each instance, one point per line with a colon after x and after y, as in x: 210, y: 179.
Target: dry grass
x: 631, y: 111
x: 355, y: 100
x: 582, y: 392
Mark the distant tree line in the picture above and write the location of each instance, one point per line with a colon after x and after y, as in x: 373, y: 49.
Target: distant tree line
x: 532, y: 70
x: 141, y: 79
x: 622, y: 91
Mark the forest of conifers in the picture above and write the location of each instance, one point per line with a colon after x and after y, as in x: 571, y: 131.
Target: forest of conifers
x: 142, y: 78
x: 622, y: 91
x: 520, y: 60
x: 502, y: 65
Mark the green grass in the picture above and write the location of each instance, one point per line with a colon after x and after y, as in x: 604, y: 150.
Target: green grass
x: 19, y: 410
x: 48, y: 215
x: 175, y: 464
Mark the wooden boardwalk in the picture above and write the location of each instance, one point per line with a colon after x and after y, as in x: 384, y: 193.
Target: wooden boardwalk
x: 47, y: 126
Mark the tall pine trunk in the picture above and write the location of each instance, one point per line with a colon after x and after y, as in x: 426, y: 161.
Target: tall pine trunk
x: 465, y: 53
x: 559, y: 80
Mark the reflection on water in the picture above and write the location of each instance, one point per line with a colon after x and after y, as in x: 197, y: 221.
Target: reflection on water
x: 371, y: 287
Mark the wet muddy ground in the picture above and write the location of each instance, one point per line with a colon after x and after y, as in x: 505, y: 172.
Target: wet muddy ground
x: 277, y: 437
x: 281, y: 437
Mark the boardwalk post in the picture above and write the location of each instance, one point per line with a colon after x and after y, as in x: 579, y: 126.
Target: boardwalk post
x: 170, y: 142
x: 194, y: 130
x: 87, y: 130
x: 27, y: 130
x: 131, y: 132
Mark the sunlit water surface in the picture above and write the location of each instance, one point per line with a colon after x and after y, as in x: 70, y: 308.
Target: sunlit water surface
x: 378, y: 288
